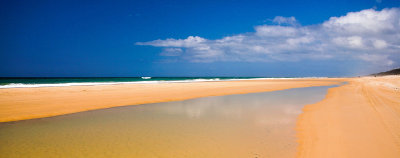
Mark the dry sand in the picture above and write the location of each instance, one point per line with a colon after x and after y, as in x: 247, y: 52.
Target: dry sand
x: 360, y: 119
x: 28, y: 103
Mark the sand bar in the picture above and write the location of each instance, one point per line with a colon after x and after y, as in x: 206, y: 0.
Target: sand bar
x: 359, y: 119
x: 28, y: 103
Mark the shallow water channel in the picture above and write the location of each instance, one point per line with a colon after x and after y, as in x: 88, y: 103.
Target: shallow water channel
x: 245, y: 125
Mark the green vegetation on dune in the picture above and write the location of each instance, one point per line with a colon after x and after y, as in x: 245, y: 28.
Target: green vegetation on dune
x: 391, y: 72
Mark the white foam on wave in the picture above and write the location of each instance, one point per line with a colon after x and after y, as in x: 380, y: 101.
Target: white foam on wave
x: 22, y: 85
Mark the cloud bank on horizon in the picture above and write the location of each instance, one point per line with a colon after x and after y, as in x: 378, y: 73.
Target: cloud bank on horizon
x: 369, y: 35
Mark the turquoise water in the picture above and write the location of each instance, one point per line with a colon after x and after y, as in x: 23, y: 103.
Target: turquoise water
x: 6, y: 82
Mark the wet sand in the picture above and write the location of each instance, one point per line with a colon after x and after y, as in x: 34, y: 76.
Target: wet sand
x: 359, y: 119
x: 28, y: 103
x: 245, y: 125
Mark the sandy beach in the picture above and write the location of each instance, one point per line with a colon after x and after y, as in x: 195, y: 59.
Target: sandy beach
x: 359, y: 119
x: 28, y: 103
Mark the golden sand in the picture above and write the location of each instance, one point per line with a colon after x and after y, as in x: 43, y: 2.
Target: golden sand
x: 359, y: 119
x: 29, y: 103
x: 233, y: 126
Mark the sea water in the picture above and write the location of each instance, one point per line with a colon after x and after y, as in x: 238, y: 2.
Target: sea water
x: 21, y: 82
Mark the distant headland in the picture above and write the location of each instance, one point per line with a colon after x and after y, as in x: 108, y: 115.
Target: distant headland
x: 391, y: 72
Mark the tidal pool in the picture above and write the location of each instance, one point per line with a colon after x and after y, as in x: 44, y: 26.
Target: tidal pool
x: 245, y: 125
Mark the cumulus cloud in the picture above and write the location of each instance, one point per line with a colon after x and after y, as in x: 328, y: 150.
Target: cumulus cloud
x: 171, y: 52
x: 369, y: 35
x: 285, y: 20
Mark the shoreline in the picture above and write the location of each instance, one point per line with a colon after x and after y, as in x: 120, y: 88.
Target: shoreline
x: 67, y: 84
x: 30, y: 103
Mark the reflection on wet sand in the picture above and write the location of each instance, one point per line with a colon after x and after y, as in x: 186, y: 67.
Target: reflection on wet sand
x: 247, y: 125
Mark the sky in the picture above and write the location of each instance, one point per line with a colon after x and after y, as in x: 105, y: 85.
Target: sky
x: 285, y: 38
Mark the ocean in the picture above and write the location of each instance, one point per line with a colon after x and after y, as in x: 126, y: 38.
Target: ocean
x: 21, y: 82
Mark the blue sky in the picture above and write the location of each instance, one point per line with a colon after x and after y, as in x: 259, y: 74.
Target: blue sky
x: 198, y: 38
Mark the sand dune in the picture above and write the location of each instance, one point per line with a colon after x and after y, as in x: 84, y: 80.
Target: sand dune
x: 360, y: 119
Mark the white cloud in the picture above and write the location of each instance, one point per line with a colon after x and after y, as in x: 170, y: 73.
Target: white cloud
x: 191, y: 41
x: 350, y: 42
x: 270, y: 31
x: 171, y: 52
x: 365, y: 22
x: 368, y: 35
x: 380, y: 44
x: 375, y: 58
x: 285, y: 20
